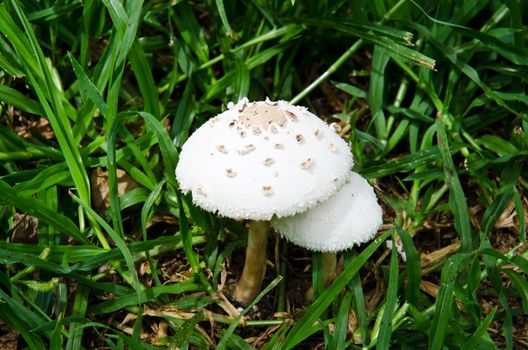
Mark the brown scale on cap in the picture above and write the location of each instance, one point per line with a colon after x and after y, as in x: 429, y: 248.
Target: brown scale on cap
x: 262, y: 115
x: 291, y: 115
x: 305, y: 164
x: 269, y: 161
x: 267, y: 190
x: 200, y: 190
x: 230, y: 172
x: 333, y: 148
x: 279, y: 146
x: 318, y: 133
x: 241, y: 132
x: 299, y: 138
x: 221, y: 149
x: 247, y: 148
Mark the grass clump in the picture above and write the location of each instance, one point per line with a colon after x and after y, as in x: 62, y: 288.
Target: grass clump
x: 99, y: 248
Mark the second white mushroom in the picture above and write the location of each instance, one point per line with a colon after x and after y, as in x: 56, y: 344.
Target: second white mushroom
x: 352, y: 216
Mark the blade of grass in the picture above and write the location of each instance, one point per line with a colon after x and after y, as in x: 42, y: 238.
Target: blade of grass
x: 20, y: 101
x: 520, y: 214
x: 39, y: 210
x: 143, y: 73
x: 412, y: 268
x: 457, y: 199
x: 444, y: 301
x: 475, y: 339
x: 376, y: 91
x: 359, y: 305
x: 385, y: 331
x: 223, y: 17
x: 338, y: 339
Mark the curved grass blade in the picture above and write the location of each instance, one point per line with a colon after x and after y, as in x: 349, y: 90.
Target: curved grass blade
x: 223, y: 16
x: 143, y: 73
x: 457, y: 199
x: 41, y: 211
x: 20, y: 101
x: 403, y: 164
x: 376, y: 89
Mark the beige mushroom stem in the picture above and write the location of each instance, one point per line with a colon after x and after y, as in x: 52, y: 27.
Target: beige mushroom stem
x: 329, y: 273
x: 250, y: 283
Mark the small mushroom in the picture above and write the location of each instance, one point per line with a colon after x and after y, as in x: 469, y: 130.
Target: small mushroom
x: 352, y: 216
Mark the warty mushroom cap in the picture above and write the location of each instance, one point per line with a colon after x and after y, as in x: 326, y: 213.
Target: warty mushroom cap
x: 264, y: 158
x: 352, y: 216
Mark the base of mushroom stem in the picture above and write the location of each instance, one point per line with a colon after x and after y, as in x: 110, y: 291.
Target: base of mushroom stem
x: 250, y: 283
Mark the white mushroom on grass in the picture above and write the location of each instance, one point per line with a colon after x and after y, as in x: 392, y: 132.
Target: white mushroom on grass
x: 351, y: 217
x: 259, y: 160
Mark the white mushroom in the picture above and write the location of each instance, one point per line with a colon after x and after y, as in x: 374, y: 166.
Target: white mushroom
x: 352, y: 216
x: 240, y: 196
x: 265, y: 147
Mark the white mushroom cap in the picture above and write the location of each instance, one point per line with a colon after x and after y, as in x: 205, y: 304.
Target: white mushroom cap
x: 261, y: 159
x: 350, y: 217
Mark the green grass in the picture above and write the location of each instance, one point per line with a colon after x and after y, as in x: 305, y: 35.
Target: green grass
x: 432, y: 99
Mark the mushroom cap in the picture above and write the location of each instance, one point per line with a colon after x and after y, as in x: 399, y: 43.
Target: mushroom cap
x: 260, y: 159
x: 350, y: 217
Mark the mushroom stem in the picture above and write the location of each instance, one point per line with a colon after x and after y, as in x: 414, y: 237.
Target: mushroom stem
x: 250, y: 282
x: 329, y: 262
x: 329, y: 267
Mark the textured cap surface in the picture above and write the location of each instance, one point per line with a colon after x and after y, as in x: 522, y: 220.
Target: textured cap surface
x: 261, y: 159
x: 350, y: 217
